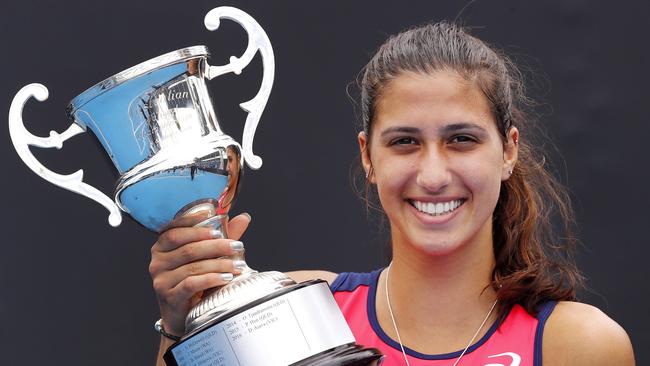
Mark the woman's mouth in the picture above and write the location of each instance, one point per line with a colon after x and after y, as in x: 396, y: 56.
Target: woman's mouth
x: 437, y: 208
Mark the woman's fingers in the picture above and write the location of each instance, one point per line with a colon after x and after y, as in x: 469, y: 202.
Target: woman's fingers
x: 167, y: 281
x: 196, y: 284
x: 193, y: 252
x: 175, y: 238
x: 189, y: 220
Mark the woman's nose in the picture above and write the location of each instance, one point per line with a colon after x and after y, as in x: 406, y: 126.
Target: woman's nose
x: 433, y: 170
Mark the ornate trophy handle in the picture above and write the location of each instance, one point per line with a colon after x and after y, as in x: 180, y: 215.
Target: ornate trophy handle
x: 21, y: 139
x: 257, y: 40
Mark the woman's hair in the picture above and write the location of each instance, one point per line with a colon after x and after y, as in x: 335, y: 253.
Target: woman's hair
x: 533, y: 258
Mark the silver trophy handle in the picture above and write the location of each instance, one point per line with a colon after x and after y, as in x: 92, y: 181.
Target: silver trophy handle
x: 257, y: 40
x: 21, y: 139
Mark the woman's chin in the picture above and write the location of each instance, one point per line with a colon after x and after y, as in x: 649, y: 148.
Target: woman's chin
x: 436, y: 246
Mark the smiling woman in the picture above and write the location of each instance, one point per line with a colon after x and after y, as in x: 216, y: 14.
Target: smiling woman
x: 478, y: 275
x: 435, y: 145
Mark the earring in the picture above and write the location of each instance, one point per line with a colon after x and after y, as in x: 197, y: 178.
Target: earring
x: 369, y: 171
x: 510, y: 172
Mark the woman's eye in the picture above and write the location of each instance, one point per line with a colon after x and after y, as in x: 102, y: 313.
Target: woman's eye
x: 403, y: 141
x: 462, y: 139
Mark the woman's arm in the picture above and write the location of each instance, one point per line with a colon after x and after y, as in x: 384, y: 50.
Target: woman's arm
x: 578, y: 334
x: 165, y: 343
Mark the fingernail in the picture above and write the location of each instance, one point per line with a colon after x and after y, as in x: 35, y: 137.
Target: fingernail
x: 237, y: 245
x: 247, y: 214
x: 227, y: 277
x: 239, y: 264
x: 215, y: 233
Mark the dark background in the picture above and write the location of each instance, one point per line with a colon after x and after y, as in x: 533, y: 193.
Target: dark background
x: 75, y: 291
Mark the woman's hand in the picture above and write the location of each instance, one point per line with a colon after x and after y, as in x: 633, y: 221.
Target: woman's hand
x: 187, y: 260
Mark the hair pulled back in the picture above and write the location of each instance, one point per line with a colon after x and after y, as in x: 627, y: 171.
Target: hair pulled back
x: 533, y: 256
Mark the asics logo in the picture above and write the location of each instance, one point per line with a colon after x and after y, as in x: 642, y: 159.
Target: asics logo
x: 515, y: 359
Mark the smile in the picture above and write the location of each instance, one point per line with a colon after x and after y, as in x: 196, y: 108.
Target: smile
x: 437, y: 208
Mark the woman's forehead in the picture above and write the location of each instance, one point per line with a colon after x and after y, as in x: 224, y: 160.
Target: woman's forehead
x: 437, y: 98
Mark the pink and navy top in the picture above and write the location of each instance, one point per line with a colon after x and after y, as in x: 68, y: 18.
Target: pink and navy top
x: 517, y: 341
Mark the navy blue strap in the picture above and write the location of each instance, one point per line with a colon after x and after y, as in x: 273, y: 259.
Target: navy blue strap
x: 545, y: 311
x: 349, y: 281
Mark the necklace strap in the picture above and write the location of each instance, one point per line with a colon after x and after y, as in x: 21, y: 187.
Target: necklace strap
x: 399, y: 338
x: 392, y: 317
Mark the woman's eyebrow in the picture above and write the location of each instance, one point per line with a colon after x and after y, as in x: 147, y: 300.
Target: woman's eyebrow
x: 402, y: 129
x: 449, y: 128
x: 454, y: 127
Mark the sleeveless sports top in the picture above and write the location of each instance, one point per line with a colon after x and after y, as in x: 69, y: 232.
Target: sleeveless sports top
x: 516, y: 342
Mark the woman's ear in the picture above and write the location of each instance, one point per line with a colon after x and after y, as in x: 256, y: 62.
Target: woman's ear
x: 510, y: 153
x: 365, y: 156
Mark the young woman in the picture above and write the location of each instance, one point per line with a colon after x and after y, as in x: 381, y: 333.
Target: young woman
x: 477, y: 276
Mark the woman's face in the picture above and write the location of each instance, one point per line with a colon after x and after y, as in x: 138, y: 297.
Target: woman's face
x: 437, y: 160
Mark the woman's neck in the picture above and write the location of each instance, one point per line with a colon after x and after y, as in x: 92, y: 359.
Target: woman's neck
x: 438, y: 300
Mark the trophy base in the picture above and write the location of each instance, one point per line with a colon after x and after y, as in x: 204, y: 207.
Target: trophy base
x: 298, y: 325
x: 347, y: 355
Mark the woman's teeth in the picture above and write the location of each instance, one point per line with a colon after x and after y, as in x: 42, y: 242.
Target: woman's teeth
x: 439, y: 208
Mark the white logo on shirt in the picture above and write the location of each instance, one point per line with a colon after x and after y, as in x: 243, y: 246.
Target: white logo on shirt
x: 516, y: 359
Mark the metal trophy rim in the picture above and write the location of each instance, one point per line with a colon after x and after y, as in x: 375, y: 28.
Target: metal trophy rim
x: 245, y: 305
x: 246, y: 288
x: 134, y: 72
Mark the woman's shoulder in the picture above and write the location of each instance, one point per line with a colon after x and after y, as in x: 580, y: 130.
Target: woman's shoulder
x: 580, y: 334
x: 301, y: 276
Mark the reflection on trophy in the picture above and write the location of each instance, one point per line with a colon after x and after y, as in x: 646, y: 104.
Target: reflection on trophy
x: 157, y: 123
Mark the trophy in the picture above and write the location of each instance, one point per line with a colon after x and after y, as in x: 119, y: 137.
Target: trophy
x: 157, y: 123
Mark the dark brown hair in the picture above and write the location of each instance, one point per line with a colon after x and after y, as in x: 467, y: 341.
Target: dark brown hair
x: 533, y: 256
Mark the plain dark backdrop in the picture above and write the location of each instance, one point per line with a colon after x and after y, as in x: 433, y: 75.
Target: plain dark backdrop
x: 75, y: 291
